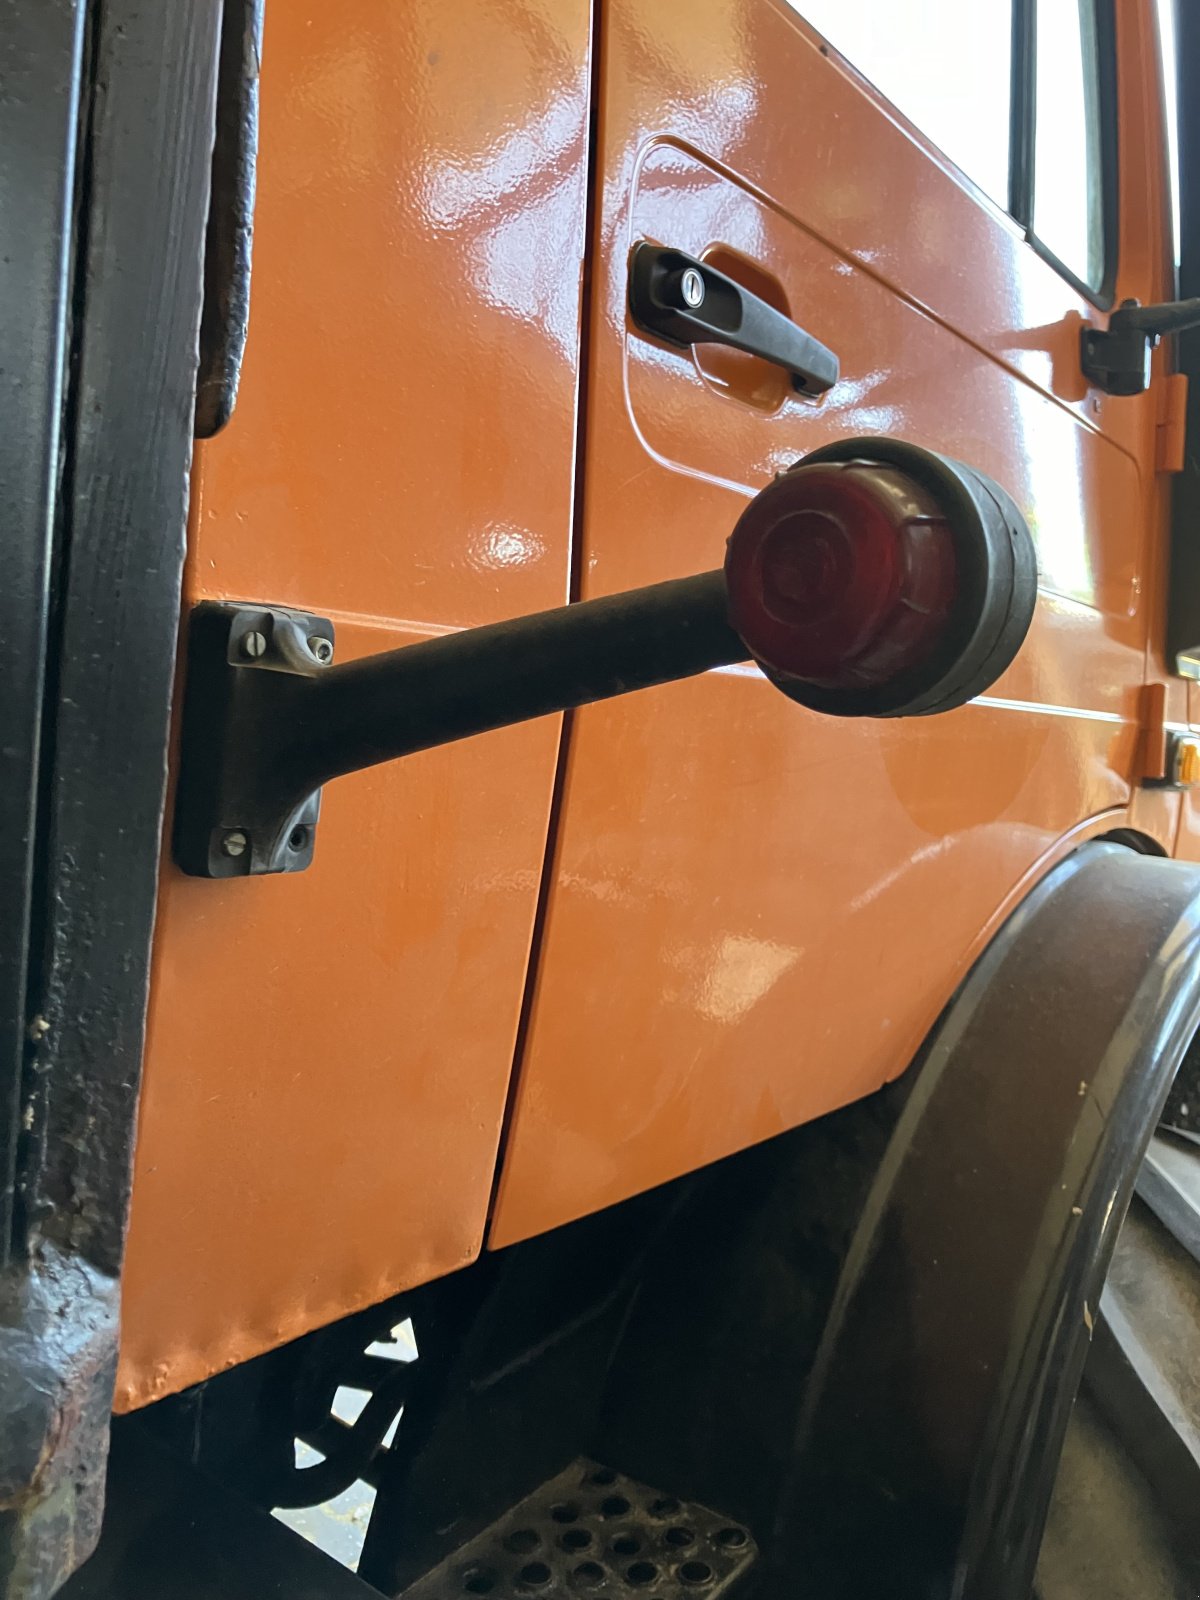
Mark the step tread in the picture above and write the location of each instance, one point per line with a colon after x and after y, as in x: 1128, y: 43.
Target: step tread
x: 592, y: 1530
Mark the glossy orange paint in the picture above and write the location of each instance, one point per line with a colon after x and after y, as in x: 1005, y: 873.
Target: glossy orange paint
x: 328, y: 1054
x: 761, y: 921
x: 754, y: 914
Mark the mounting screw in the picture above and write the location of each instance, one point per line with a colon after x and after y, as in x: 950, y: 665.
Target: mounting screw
x: 234, y: 843
x: 321, y: 648
x: 254, y: 645
x: 691, y: 287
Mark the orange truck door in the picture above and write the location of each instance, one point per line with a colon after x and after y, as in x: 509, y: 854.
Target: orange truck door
x: 328, y: 1053
x: 756, y: 914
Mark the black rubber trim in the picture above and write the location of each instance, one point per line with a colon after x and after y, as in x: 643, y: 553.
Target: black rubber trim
x: 1103, y: 294
x: 1183, y: 582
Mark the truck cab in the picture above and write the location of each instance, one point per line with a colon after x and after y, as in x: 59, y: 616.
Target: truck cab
x: 446, y: 972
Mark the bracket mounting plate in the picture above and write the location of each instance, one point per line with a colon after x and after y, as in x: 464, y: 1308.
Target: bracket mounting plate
x: 239, y: 813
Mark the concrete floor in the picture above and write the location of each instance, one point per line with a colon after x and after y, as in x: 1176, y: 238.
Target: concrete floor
x: 339, y: 1526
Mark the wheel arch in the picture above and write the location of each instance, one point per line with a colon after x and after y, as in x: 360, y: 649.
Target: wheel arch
x: 956, y: 1230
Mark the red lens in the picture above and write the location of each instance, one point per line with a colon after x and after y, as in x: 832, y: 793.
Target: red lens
x: 842, y: 574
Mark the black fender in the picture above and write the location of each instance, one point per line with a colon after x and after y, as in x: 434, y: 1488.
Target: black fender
x: 879, y: 1370
x: 934, y: 1417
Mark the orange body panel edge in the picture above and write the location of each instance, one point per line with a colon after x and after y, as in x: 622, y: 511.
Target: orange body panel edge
x: 328, y: 1054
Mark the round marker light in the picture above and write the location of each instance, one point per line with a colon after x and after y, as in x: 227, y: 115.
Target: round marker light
x: 879, y: 579
x: 842, y: 575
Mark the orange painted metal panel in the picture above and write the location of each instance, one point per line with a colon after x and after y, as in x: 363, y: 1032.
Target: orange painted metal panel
x: 761, y: 920
x: 329, y: 1053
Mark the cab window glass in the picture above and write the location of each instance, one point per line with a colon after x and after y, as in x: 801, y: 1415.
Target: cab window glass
x: 1068, y: 187
x: 946, y: 64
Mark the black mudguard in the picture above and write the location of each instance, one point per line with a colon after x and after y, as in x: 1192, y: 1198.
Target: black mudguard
x: 877, y: 1367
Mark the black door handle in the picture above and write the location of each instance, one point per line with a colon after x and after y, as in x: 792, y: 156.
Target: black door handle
x: 686, y: 302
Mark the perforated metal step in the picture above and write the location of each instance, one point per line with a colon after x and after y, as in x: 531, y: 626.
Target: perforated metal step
x: 592, y: 1532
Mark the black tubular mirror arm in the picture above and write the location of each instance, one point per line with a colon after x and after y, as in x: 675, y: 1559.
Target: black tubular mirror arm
x: 266, y: 721
x: 421, y: 695
x: 1172, y: 316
